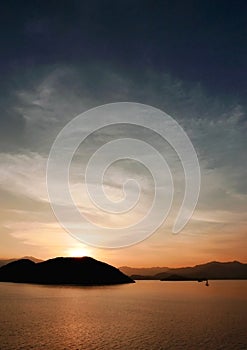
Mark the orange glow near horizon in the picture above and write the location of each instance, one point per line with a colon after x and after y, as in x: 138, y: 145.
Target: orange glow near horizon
x: 162, y: 249
x: 78, y: 252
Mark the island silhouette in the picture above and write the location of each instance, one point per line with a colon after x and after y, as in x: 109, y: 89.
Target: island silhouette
x: 72, y: 271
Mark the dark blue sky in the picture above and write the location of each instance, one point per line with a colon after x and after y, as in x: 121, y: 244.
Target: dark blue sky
x: 198, y: 41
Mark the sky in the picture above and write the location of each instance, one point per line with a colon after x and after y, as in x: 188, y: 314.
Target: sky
x: 187, y: 58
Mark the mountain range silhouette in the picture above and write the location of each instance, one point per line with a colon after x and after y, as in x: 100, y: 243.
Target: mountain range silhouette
x: 211, y: 270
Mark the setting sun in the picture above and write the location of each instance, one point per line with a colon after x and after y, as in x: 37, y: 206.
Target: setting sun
x: 78, y: 252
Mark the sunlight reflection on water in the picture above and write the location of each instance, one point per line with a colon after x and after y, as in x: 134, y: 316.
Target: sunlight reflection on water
x: 145, y: 315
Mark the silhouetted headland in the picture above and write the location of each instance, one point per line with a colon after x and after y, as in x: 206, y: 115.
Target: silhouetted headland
x: 73, y: 271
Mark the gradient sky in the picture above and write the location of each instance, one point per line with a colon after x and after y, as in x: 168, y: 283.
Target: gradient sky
x: 187, y: 58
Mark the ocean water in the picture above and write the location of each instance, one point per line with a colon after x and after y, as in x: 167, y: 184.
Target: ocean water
x: 145, y: 315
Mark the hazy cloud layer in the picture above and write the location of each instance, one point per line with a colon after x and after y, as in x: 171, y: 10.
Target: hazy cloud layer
x: 36, y: 112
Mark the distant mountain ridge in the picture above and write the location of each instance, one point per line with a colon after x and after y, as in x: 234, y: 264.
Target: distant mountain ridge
x: 7, y: 261
x: 75, y: 271
x: 144, y: 271
x: 210, y: 270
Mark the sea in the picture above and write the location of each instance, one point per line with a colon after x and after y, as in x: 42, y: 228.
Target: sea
x: 148, y: 315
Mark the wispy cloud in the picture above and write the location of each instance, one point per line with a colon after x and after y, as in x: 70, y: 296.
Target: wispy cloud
x: 24, y: 174
x: 217, y: 129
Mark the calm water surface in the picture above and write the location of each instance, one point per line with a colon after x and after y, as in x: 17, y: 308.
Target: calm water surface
x: 146, y: 315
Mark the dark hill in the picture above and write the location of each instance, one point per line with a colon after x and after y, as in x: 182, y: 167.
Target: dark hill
x: 79, y: 271
x: 176, y: 278
x: 7, y: 261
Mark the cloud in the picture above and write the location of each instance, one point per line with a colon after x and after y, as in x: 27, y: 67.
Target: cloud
x: 54, y: 95
x: 37, y: 111
x: 24, y: 174
x: 220, y: 216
